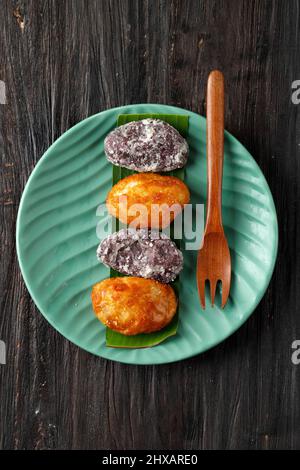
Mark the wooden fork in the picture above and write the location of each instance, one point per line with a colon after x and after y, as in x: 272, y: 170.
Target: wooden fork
x: 214, y: 262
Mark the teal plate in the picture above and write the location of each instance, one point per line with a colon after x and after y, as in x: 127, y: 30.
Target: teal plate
x: 57, y: 241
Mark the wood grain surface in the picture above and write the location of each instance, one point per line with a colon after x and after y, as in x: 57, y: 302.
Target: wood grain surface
x: 62, y: 61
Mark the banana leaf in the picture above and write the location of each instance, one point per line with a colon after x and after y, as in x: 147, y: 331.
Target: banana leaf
x: 114, y: 339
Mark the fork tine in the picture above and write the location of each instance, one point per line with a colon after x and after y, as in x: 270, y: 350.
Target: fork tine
x: 201, y: 290
x: 225, y: 291
x: 213, y: 285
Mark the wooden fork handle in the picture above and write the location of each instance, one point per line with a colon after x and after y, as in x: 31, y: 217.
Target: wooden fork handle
x: 215, y: 150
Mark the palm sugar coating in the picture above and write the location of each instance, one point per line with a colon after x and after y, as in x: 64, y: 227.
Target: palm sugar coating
x: 147, y: 145
x: 147, y: 200
x: 133, y: 305
x: 143, y: 253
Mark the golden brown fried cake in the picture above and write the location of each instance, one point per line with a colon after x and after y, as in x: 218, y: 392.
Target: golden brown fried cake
x: 145, y: 199
x: 133, y: 305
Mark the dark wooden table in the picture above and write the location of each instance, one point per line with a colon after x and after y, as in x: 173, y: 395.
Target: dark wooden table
x: 62, y: 61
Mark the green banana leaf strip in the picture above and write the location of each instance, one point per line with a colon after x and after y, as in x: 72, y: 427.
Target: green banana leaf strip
x: 114, y: 339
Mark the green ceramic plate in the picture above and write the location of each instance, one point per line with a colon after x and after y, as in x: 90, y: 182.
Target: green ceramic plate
x: 56, y: 238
